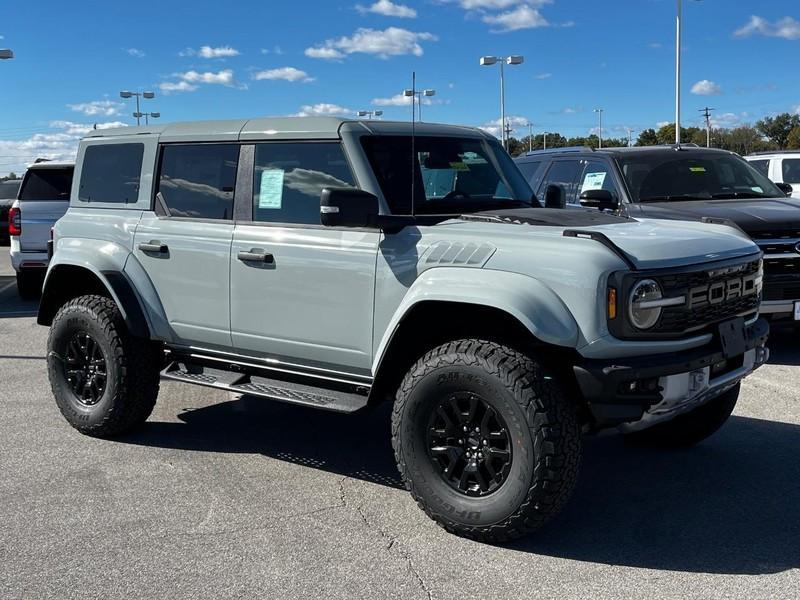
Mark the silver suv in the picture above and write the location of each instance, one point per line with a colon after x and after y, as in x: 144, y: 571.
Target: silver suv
x: 339, y: 264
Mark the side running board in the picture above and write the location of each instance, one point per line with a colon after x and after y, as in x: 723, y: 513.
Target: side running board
x: 253, y: 385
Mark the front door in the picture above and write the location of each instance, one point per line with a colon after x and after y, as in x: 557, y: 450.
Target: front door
x: 185, y: 246
x: 302, y: 293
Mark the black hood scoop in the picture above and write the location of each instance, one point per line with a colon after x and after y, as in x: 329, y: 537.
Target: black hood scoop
x: 552, y: 217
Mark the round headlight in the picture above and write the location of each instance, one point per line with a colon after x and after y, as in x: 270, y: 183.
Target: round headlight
x: 643, y: 293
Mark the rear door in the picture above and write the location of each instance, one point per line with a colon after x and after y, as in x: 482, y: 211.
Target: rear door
x: 184, y: 243
x: 309, y: 300
x: 563, y: 173
x: 790, y: 173
x: 43, y: 200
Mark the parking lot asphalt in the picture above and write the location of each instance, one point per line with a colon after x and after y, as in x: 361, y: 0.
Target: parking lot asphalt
x: 221, y: 496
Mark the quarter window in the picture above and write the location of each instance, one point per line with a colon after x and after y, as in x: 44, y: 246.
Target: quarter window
x: 762, y: 166
x: 791, y: 170
x: 289, y: 177
x: 198, y: 180
x: 562, y: 173
x: 110, y: 173
x: 597, y: 176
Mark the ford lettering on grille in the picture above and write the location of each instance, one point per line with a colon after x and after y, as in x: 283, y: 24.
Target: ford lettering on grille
x: 722, y: 291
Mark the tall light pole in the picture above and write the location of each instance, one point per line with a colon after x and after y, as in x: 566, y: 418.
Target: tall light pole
x: 630, y: 136
x: 544, y: 140
x: 530, y: 137
x: 418, y: 95
x: 369, y: 113
x: 678, y: 72
x: 6, y: 53
x: 487, y: 61
x: 599, y: 112
x: 127, y: 94
x: 152, y: 115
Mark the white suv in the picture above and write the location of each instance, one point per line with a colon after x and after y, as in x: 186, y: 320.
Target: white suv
x: 780, y: 166
x: 42, y: 200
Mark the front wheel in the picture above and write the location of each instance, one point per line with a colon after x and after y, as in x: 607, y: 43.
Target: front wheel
x: 104, y: 380
x: 487, y: 442
x: 692, y: 427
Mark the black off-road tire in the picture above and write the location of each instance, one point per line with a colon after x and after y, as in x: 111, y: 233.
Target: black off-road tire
x: 689, y: 428
x: 132, y: 368
x: 29, y: 283
x: 541, y: 419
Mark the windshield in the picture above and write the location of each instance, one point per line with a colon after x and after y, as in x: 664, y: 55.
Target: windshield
x: 46, y: 184
x: 451, y: 175
x: 683, y: 175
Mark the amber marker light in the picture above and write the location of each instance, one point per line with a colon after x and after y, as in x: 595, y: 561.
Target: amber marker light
x: 612, y: 303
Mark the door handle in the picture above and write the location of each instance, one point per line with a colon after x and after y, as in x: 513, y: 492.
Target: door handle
x: 256, y: 255
x: 154, y: 246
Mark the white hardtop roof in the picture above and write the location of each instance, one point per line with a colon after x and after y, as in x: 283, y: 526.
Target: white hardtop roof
x: 52, y: 164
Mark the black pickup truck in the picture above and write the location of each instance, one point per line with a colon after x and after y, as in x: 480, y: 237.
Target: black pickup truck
x: 686, y: 183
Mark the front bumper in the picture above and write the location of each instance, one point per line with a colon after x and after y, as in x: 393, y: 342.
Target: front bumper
x: 644, y: 390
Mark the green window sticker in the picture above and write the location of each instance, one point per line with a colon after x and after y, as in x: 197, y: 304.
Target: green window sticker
x: 270, y: 192
x: 697, y: 169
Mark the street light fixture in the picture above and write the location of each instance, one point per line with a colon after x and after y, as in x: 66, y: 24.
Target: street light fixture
x: 488, y: 61
x: 6, y: 53
x: 370, y: 113
x: 599, y: 112
x: 152, y: 115
x: 127, y: 94
x: 412, y: 94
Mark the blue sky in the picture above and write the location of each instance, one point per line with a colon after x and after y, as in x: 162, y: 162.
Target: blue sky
x: 209, y: 59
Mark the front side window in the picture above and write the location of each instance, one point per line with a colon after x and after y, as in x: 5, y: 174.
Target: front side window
x: 47, y: 184
x: 111, y: 172
x: 562, y: 173
x: 597, y: 176
x: 289, y: 177
x: 683, y: 176
x: 197, y: 180
x: 762, y: 166
x: 791, y: 170
x: 449, y: 175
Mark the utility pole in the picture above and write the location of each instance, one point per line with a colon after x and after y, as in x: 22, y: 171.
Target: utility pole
x: 530, y: 137
x: 630, y: 136
x: 599, y: 112
x: 508, y: 134
x: 707, y: 114
x: 544, y: 139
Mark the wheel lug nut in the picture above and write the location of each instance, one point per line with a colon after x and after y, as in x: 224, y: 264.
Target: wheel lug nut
x: 485, y: 443
x: 466, y: 428
x: 477, y: 429
x: 460, y: 441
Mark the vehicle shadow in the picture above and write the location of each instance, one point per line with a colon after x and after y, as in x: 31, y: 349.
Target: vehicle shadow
x: 784, y: 345
x: 729, y: 505
x: 11, y: 305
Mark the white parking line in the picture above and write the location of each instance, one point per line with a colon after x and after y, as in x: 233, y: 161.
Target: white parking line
x: 7, y: 286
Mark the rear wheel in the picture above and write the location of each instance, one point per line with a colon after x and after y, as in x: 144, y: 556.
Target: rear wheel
x: 104, y: 380
x: 692, y: 427
x: 29, y: 283
x: 487, y: 442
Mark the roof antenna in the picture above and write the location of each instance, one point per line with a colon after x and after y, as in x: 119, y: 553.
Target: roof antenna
x: 413, y: 132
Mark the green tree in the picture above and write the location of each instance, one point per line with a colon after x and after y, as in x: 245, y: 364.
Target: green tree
x: 778, y: 128
x: 793, y: 140
x: 648, y: 137
x: 666, y: 134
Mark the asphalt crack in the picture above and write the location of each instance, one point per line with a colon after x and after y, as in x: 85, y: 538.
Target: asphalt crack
x: 393, y: 546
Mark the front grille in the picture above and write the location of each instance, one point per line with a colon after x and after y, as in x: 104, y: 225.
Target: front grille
x: 777, y: 235
x: 781, y: 266
x: 781, y: 291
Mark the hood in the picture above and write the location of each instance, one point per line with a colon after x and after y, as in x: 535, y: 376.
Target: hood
x: 753, y: 215
x: 644, y: 243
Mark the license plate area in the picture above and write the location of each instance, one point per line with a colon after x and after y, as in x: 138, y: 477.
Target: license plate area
x: 731, y: 335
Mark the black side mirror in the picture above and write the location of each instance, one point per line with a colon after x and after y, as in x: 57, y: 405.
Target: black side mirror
x: 602, y: 199
x: 785, y: 188
x: 555, y: 196
x: 348, y: 207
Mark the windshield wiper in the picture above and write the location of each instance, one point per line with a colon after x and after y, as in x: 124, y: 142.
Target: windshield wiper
x: 734, y: 195
x: 675, y: 197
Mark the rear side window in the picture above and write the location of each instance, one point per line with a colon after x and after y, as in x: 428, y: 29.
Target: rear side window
x: 791, y: 170
x: 289, y: 178
x: 530, y: 169
x: 762, y: 166
x: 197, y: 180
x: 562, y: 173
x: 46, y: 184
x: 111, y: 172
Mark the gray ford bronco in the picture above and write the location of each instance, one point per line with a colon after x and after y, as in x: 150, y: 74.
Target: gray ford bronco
x: 339, y: 263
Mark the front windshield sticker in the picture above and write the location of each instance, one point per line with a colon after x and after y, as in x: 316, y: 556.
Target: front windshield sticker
x: 697, y: 169
x: 593, y: 181
x: 270, y: 194
x: 757, y: 189
x: 459, y: 166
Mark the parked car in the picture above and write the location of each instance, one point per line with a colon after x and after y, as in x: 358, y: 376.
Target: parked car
x: 306, y: 261
x: 685, y: 182
x: 43, y: 199
x: 781, y: 167
x: 8, y: 193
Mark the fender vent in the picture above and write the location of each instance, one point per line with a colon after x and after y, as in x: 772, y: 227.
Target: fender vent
x: 457, y: 253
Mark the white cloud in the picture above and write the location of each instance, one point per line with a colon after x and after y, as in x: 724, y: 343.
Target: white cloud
x: 515, y: 122
x: 275, y: 50
x: 60, y: 143
x: 210, y: 52
x: 393, y: 41
x: 323, y: 109
x: 786, y: 28
x: 223, y: 77
x: 135, y: 52
x: 495, y: 4
x: 176, y: 86
x: 389, y: 9
x: 661, y: 124
x: 284, y: 73
x: 543, y: 76
x: 107, y: 108
x: 727, y: 120
x: 655, y: 45
x: 704, y: 87
x: 398, y: 100
x: 522, y: 17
